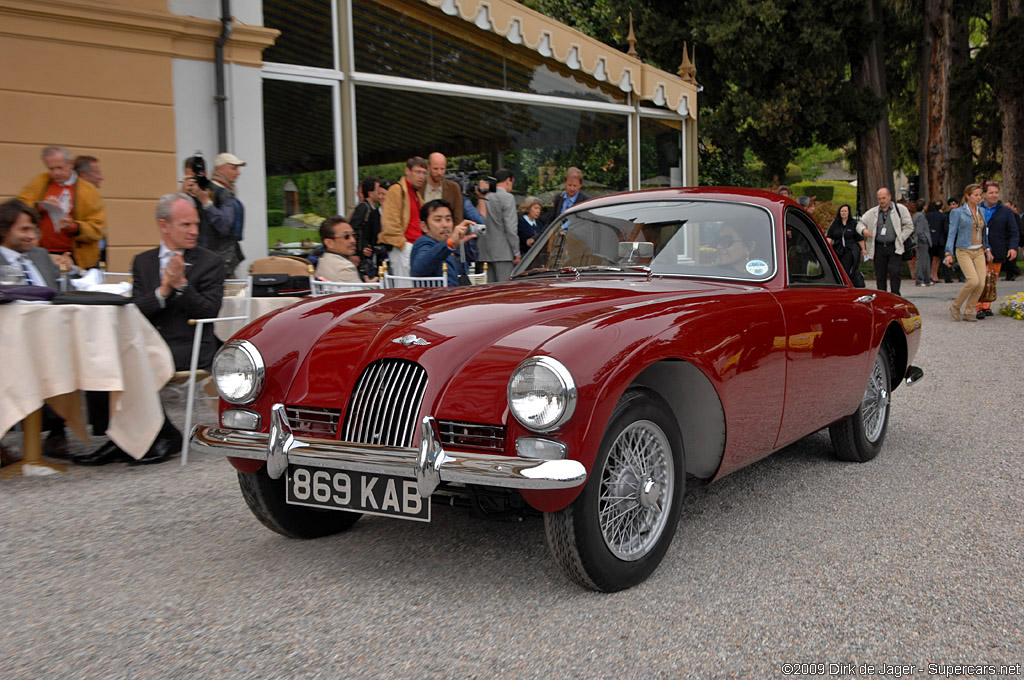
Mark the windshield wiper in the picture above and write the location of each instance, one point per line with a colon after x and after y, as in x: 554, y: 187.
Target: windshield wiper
x: 539, y: 270
x: 625, y: 268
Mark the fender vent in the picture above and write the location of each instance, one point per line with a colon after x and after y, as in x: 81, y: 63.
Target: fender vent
x: 312, y: 421
x: 459, y: 435
x: 385, y: 404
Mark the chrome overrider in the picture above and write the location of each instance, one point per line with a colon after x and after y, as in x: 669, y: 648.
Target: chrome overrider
x: 429, y: 465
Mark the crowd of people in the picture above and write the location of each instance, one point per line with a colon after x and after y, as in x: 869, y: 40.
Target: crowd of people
x: 58, y: 222
x: 976, y: 237
x: 488, y: 228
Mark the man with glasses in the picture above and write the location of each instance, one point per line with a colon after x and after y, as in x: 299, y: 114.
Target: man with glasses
x: 340, y: 241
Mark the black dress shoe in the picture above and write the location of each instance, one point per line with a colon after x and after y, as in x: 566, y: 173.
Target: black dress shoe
x: 108, y: 453
x: 980, y: 315
x: 162, y: 450
x: 989, y: 312
x: 56, y: 445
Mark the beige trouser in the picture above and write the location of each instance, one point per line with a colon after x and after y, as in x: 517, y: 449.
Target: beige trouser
x: 972, y: 264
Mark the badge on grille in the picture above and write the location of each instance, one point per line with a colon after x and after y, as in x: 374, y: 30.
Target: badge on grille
x: 409, y: 341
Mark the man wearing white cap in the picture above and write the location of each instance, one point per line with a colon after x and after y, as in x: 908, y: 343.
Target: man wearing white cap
x: 229, y: 226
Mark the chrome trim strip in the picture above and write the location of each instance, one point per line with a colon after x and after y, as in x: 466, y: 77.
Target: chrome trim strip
x: 280, y: 448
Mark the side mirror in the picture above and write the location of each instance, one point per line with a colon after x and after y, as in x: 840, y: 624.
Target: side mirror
x: 631, y: 251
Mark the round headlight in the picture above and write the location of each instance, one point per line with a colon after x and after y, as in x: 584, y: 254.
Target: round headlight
x: 541, y: 394
x: 238, y: 372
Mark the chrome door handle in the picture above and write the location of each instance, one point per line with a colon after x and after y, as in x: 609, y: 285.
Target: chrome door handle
x: 866, y: 298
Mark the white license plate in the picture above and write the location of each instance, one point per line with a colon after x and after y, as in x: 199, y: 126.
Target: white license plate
x: 356, y: 491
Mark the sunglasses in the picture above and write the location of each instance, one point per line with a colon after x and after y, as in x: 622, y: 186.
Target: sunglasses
x: 345, y: 236
x: 726, y: 242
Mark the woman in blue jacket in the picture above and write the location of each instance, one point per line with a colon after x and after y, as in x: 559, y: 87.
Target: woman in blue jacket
x: 968, y: 240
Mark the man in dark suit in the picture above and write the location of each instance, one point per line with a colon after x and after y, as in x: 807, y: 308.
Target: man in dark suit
x: 570, y: 197
x: 19, y: 244
x: 173, y: 283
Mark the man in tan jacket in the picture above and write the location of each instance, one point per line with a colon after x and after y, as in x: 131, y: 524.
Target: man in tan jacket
x: 400, y: 215
x: 73, y: 215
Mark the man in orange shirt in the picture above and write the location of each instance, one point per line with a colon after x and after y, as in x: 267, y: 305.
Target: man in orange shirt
x: 73, y: 215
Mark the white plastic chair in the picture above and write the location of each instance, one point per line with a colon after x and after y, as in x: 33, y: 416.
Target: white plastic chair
x: 414, y: 281
x: 191, y: 377
x: 320, y: 288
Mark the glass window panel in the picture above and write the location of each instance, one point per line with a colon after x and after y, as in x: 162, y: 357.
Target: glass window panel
x: 673, y: 237
x: 539, y: 143
x: 298, y: 129
x: 414, y: 40
x: 307, y: 37
x: 661, y: 154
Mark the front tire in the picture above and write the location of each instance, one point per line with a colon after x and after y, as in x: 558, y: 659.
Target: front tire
x: 859, y: 438
x: 265, y: 497
x: 616, y: 532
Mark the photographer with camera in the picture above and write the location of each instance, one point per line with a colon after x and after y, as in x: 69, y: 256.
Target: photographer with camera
x: 439, y: 242
x: 365, y: 222
x: 221, y: 215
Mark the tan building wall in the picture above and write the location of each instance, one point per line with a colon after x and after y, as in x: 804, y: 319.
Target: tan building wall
x: 97, y: 78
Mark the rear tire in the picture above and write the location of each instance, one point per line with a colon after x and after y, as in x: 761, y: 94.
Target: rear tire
x: 859, y: 438
x: 616, y: 532
x: 265, y: 497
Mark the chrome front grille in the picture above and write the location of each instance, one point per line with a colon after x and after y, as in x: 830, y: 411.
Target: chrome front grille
x: 385, y: 404
x: 311, y: 421
x: 472, y: 435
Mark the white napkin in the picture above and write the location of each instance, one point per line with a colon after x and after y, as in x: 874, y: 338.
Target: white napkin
x: 92, y: 280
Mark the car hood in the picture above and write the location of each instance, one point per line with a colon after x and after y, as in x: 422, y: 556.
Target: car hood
x: 469, y: 340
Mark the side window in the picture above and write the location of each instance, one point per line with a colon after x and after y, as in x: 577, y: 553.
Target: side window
x: 807, y: 259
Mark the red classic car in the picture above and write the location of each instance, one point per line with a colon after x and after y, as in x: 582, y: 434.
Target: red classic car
x: 645, y: 336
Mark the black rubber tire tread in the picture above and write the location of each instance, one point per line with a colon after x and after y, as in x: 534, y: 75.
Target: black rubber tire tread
x: 847, y: 435
x: 574, y: 536
x: 265, y: 497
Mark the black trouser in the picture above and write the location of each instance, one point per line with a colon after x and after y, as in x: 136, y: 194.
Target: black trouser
x: 887, y: 266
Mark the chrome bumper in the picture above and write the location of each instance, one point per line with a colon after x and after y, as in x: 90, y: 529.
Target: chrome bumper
x: 429, y: 465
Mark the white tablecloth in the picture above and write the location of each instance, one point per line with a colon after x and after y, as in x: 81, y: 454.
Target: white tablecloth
x: 235, y: 306
x: 50, y: 350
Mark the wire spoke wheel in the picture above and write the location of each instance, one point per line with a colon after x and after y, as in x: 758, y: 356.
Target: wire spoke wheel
x: 875, y: 403
x: 636, y: 490
x: 617, y: 531
x: 859, y: 437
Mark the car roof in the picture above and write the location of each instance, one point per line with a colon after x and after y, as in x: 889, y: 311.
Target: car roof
x: 767, y: 199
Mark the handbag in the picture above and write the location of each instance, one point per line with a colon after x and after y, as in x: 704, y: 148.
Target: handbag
x: 988, y: 293
x: 909, y: 248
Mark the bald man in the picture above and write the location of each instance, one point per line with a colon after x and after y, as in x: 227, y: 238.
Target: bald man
x: 437, y: 187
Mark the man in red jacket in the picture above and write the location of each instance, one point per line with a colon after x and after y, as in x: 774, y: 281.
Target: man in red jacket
x: 73, y: 215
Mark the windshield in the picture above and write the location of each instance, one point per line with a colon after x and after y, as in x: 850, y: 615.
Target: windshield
x: 681, y: 237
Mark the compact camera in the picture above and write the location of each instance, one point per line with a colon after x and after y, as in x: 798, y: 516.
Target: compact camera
x: 477, y: 228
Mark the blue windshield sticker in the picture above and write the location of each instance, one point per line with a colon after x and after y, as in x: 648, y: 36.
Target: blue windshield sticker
x: 757, y: 267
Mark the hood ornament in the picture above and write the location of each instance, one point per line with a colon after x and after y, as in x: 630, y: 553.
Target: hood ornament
x: 409, y: 341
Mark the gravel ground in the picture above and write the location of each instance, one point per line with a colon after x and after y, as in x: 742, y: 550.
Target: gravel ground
x: 913, y: 558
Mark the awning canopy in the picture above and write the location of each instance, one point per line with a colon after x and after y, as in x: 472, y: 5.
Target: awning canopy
x: 521, y: 25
